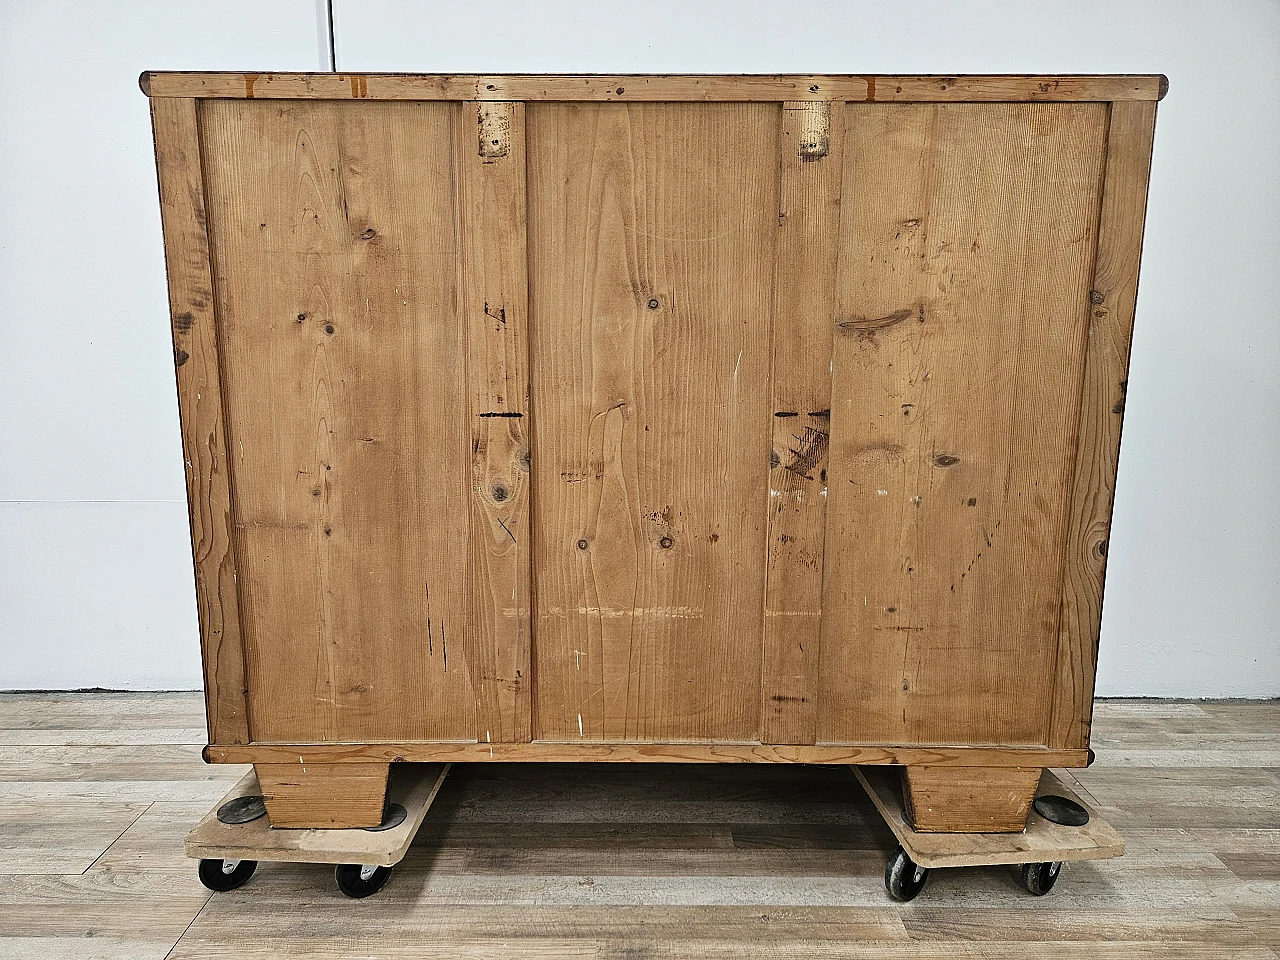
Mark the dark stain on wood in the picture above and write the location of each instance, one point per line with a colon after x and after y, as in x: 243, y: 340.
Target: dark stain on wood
x: 503, y: 413
x: 183, y: 322
x: 812, y: 452
x: 180, y: 357
x: 867, y: 327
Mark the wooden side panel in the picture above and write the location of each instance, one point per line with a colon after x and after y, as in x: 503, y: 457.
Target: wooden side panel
x: 204, y: 444
x: 965, y: 270
x: 490, y: 155
x: 810, y: 171
x: 335, y: 274
x: 1106, y: 369
x: 651, y: 235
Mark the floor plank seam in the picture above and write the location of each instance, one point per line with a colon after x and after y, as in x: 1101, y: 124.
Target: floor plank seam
x: 127, y: 828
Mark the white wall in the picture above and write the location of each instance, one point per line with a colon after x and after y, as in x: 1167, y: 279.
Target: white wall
x: 95, y: 587
x: 95, y: 566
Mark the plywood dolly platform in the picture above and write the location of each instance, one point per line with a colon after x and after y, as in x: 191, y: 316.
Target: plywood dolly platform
x: 236, y: 834
x: 1076, y: 832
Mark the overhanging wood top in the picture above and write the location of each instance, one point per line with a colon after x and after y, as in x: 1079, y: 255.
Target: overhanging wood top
x: 864, y: 88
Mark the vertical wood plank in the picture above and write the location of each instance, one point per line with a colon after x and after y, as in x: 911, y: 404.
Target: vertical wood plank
x: 204, y: 445
x: 804, y: 279
x: 489, y: 150
x: 335, y: 268
x: 965, y: 269
x: 1106, y: 365
x: 652, y: 249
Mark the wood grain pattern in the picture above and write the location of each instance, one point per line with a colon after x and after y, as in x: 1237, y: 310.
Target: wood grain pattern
x: 963, y: 274
x: 204, y: 437
x: 969, y: 799
x: 549, y: 751
x: 489, y: 150
x: 639, y: 87
x: 336, y: 264
x: 1106, y: 370
x: 810, y: 169
x: 323, y: 795
x: 651, y: 238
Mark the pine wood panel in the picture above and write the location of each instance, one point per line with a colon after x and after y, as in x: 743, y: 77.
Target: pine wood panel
x: 810, y: 172
x: 1106, y: 370
x: 333, y: 234
x: 651, y: 242
x: 963, y: 282
x: 204, y: 439
x: 670, y: 88
x: 489, y: 151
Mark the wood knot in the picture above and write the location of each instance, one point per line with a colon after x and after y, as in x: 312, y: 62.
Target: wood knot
x: 500, y: 492
x: 945, y: 460
x: 582, y: 544
x: 653, y: 303
x: 369, y: 234
x: 1095, y: 297
x: 328, y: 329
x: 666, y: 543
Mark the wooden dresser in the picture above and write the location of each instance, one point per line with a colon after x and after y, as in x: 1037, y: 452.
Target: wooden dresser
x: 651, y: 418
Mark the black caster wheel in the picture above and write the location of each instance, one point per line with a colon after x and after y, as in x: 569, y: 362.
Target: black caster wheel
x: 903, y: 877
x: 224, y: 875
x: 1039, y: 878
x: 359, y: 881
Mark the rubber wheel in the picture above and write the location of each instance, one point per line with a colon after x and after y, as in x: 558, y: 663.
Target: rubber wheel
x: 215, y: 874
x: 1039, y: 878
x: 353, y: 884
x: 903, y: 877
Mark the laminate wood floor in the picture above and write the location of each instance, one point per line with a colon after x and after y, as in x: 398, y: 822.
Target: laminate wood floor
x: 98, y: 790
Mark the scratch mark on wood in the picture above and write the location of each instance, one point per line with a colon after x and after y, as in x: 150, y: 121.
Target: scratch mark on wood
x: 866, y: 326
x: 504, y: 527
